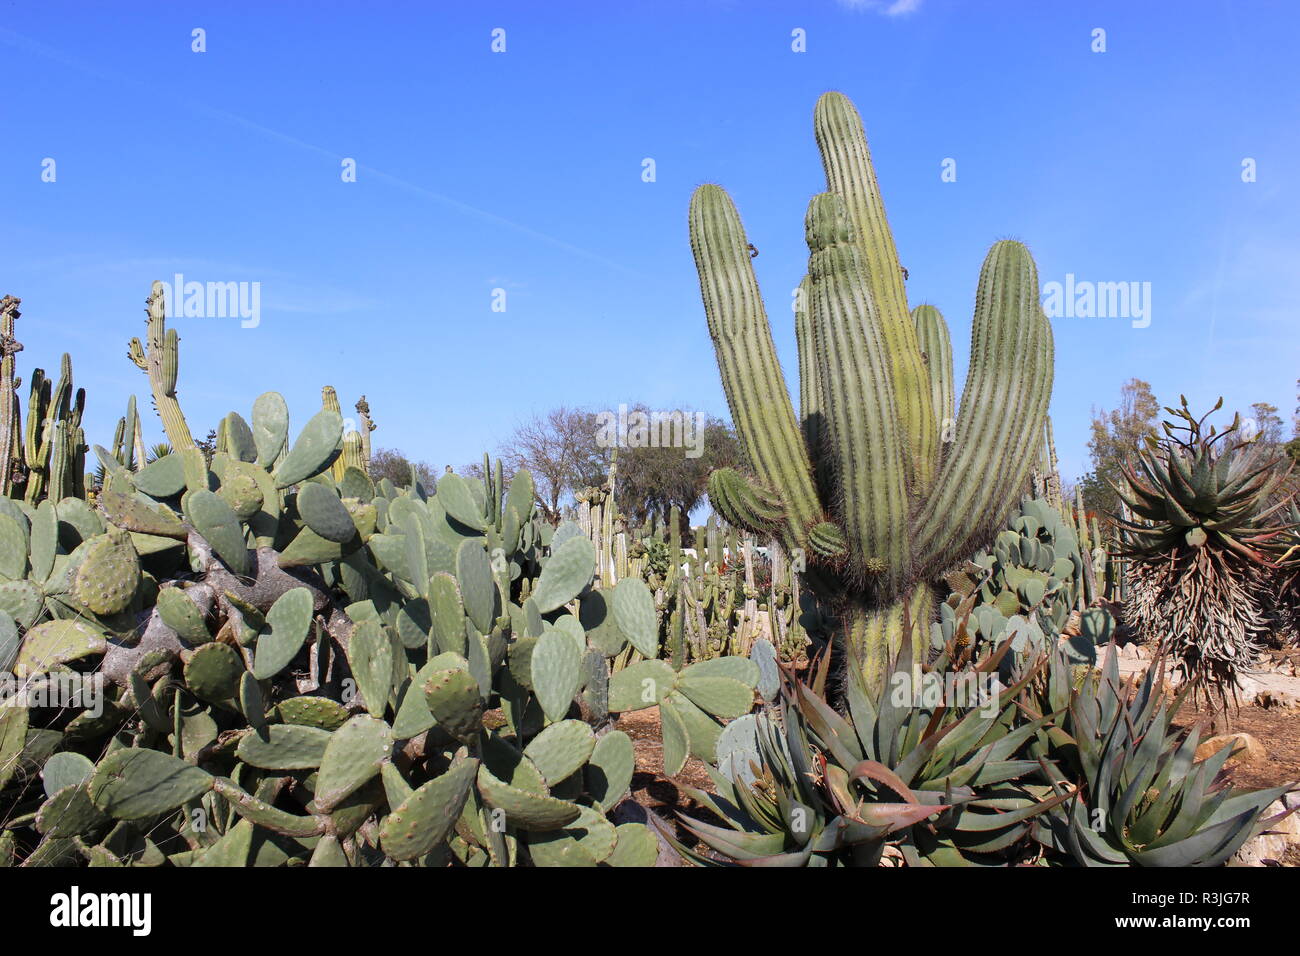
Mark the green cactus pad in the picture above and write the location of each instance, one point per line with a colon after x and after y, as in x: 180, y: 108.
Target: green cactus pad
x: 677, y: 743
x: 561, y: 749
x: 636, y: 846
x: 313, y: 712
x: 133, y: 514
x: 21, y: 600
x: 220, y: 528
x: 477, y: 589
x: 109, y: 574
x: 738, y: 668
x: 597, y: 616
x: 240, y: 443
x: 586, y: 841
x: 314, y: 450
x: 428, y: 815
x: 356, y: 484
x: 308, y: 548
x: 370, y: 655
x: 52, y: 644
x: 352, y: 757
x: 135, y: 783
x: 270, y: 427
x: 458, y: 501
x: 289, y: 620
x: 634, y: 611
x: 44, y: 540
x: 213, y: 672
x: 182, y: 615
x: 163, y: 477
x: 13, y: 549
x: 232, y: 850
x: 556, y: 672
x: 69, y: 813
x: 643, y: 684
x: 242, y: 492
x: 285, y: 747
x: 325, y: 513
x: 609, y: 769
x: 565, y: 574
x: 447, y: 613
x: 702, y: 731
x: 454, y: 700
x: 65, y: 769
x: 528, y: 811
x: 721, y: 696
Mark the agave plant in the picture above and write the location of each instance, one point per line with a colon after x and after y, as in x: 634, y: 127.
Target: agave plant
x: 1201, y: 546
x: 940, y: 784
x: 1145, y: 800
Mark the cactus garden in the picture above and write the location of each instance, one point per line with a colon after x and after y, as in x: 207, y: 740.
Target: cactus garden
x: 880, y: 628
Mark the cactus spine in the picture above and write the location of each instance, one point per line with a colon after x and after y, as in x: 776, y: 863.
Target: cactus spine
x: 863, y: 487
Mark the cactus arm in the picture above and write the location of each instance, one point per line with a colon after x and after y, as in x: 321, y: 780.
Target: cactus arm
x: 751, y: 374
x: 846, y: 159
x: 936, y: 348
x: 160, y: 360
x: 1001, y: 417
x: 864, y: 443
x: 812, y: 415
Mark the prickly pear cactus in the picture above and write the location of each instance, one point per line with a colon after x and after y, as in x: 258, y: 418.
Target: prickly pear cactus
x: 281, y: 662
x: 1025, y: 588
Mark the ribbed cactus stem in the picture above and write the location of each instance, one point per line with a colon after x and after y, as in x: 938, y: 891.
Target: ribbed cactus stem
x: 160, y: 358
x: 751, y: 374
x: 1001, y: 418
x: 936, y: 349
x: 864, y: 443
x: 850, y: 174
x: 366, y: 427
x: 10, y: 422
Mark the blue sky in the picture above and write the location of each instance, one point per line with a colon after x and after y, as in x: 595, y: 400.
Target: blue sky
x: 522, y: 170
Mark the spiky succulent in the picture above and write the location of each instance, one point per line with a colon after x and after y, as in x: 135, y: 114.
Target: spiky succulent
x: 1202, y: 537
x: 933, y: 766
x: 1144, y: 799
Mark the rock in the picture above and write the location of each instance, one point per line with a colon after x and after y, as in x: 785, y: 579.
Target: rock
x: 1269, y: 847
x: 1245, y: 747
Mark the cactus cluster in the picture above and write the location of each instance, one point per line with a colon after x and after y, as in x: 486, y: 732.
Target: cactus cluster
x: 305, y: 666
x: 1028, y: 587
x: 877, y: 485
x: 47, y: 459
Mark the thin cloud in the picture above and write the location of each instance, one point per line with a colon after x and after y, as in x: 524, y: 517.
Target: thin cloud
x: 896, y: 8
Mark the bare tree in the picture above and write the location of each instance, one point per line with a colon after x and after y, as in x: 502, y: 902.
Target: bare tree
x: 560, y: 449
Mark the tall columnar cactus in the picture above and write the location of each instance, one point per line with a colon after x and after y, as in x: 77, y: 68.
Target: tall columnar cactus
x: 879, y: 486
x: 10, y: 427
x: 159, y: 359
